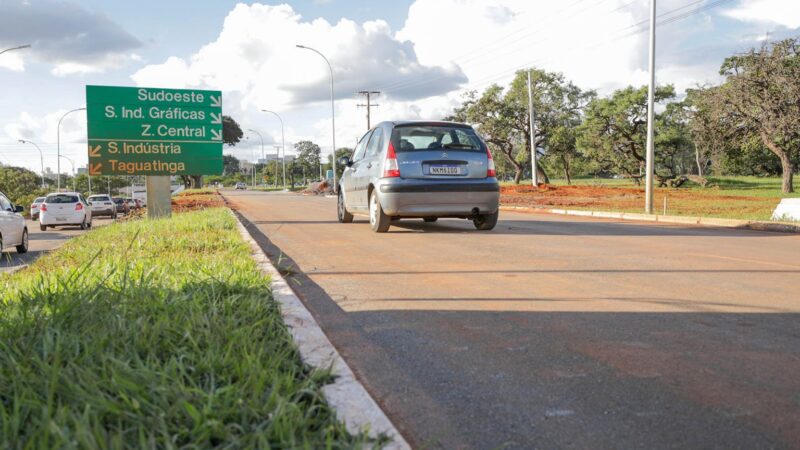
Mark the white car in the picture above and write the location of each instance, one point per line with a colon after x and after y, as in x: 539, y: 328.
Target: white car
x: 13, y: 232
x: 64, y: 209
x: 35, y: 208
x: 102, y: 205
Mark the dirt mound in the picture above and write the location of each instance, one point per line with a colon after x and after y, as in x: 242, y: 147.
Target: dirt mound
x: 318, y: 188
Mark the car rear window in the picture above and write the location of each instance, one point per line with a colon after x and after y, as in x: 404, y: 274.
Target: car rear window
x: 99, y: 198
x: 39, y: 200
x: 61, y: 198
x: 409, y: 138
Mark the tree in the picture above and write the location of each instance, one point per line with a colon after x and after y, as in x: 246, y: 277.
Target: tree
x: 614, y: 131
x: 675, y: 153
x: 230, y: 165
x: 20, y: 185
x: 231, y: 131
x: 344, y: 151
x: 761, y: 97
x: 502, y: 117
x: 308, y: 156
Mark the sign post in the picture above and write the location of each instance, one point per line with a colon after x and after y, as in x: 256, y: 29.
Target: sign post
x: 155, y: 132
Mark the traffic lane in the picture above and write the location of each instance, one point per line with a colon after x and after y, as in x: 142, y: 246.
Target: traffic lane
x: 624, y: 334
x: 40, y: 242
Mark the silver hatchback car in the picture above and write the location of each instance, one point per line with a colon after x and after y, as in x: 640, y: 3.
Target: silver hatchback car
x: 421, y: 170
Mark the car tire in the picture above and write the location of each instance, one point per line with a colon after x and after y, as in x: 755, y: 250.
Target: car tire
x: 42, y: 227
x: 430, y: 219
x: 83, y: 224
x: 486, y: 222
x: 23, y: 247
x: 379, y: 221
x: 342, y: 214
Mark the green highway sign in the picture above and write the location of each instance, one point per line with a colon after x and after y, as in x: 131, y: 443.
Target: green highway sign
x: 153, y: 131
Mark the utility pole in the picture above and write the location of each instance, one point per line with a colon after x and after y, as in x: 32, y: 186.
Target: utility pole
x: 534, y: 172
x: 277, y: 163
x: 648, y: 207
x: 369, y: 105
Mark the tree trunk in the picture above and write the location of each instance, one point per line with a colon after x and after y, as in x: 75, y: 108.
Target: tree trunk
x: 542, y: 175
x: 788, y: 174
x: 697, y: 159
x: 565, y: 162
x: 517, y: 175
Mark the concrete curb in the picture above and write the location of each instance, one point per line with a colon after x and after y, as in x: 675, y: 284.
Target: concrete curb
x: 351, y: 401
x: 681, y: 220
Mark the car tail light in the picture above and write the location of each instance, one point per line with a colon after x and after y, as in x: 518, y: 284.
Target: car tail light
x: 43, y: 207
x: 79, y: 207
x: 390, y: 167
x: 490, y: 170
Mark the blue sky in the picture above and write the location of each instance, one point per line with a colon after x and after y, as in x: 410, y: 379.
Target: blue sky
x: 422, y: 54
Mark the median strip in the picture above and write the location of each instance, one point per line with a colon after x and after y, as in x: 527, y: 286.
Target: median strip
x: 158, y: 334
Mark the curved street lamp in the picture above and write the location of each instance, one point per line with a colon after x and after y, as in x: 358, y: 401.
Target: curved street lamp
x: 15, y: 48
x: 58, y: 133
x: 262, y: 153
x: 333, y: 116
x: 283, y: 146
x: 41, y: 156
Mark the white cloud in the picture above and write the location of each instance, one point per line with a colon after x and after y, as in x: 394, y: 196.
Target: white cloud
x: 63, y: 33
x: 781, y: 12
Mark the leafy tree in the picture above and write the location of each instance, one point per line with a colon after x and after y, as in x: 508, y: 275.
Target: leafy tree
x: 344, y: 151
x: 231, y: 131
x: 230, y: 165
x: 20, y: 185
x: 675, y: 151
x: 761, y: 97
x: 614, y: 131
x: 308, y: 156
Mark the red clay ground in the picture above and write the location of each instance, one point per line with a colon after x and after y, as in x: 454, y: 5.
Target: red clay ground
x: 708, y: 203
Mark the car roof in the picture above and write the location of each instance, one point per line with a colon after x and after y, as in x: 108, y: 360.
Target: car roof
x: 430, y: 123
x: 62, y: 193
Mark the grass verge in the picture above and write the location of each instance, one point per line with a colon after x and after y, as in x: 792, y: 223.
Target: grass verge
x: 155, y: 334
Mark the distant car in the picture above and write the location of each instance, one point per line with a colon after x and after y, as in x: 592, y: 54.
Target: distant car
x: 241, y: 186
x: 132, y: 204
x: 64, y: 209
x: 13, y: 231
x: 102, y: 205
x: 421, y: 170
x: 122, y: 206
x: 35, y: 208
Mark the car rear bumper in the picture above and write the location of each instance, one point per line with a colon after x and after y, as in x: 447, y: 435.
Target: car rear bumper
x: 423, y: 198
x: 103, y: 212
x: 67, y: 219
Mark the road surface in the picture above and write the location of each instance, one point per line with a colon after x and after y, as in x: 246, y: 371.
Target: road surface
x: 41, y: 242
x: 552, y: 331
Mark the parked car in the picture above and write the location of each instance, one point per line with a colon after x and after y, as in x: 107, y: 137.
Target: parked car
x: 241, y: 186
x: 13, y: 231
x: 121, y: 206
x: 102, y: 205
x: 35, y: 208
x: 132, y: 204
x: 64, y: 209
x: 421, y: 170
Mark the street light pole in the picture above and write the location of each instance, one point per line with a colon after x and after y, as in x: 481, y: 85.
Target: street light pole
x: 58, y: 145
x: 648, y: 208
x: 41, y: 156
x: 333, y: 117
x: 15, y: 48
x: 283, y: 146
x: 72, y: 163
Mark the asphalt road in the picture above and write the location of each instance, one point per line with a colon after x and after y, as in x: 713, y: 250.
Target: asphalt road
x: 552, y: 331
x: 41, y: 242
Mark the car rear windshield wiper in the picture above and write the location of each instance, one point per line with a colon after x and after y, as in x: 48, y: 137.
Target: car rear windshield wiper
x: 467, y: 146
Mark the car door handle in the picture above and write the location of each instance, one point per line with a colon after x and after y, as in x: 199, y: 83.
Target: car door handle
x: 369, y: 166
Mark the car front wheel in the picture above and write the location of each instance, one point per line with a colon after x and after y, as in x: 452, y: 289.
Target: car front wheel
x: 23, y: 246
x: 43, y: 227
x: 379, y: 221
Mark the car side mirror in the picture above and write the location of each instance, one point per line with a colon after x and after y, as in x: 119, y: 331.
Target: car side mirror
x: 345, y: 161
x: 19, y: 209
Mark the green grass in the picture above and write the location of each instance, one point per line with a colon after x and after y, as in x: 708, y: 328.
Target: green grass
x: 155, y: 334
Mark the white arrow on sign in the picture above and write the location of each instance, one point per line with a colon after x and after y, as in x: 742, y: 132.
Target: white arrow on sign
x: 216, y: 135
x: 215, y: 102
x: 216, y: 118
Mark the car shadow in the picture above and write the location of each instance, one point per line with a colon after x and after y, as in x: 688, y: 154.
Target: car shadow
x: 574, y: 228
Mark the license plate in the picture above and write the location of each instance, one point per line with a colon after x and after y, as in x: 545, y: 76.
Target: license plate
x: 61, y: 219
x: 445, y: 170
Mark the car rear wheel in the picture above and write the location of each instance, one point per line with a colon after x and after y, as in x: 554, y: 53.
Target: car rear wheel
x: 379, y: 221
x: 430, y: 219
x: 342, y: 213
x: 43, y: 227
x: 486, y: 222
x: 83, y: 224
x: 23, y: 246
